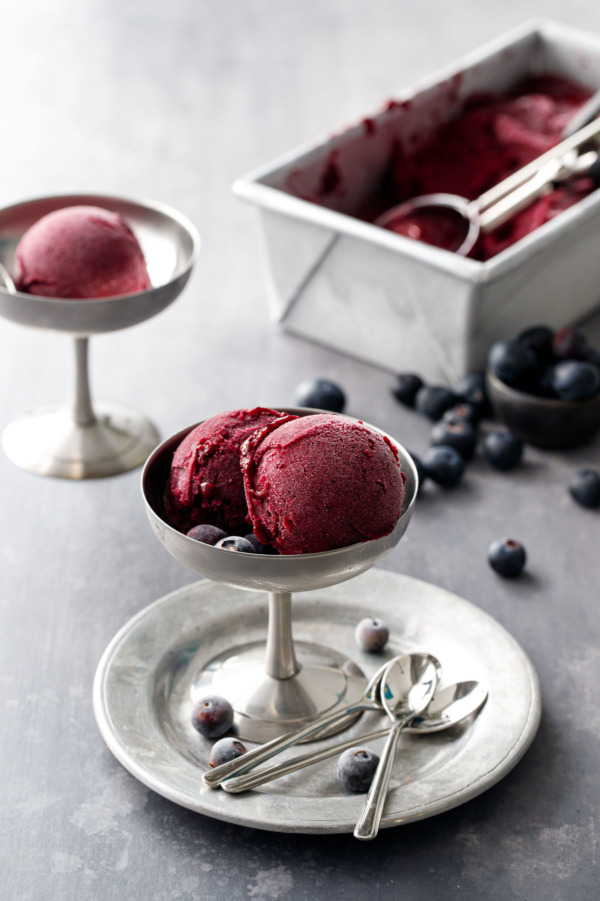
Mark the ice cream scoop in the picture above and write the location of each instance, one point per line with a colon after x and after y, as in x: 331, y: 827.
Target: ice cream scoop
x: 206, y: 483
x: 80, y: 252
x: 321, y: 482
x: 454, y: 223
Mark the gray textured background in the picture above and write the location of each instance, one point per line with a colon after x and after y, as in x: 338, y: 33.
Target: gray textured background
x: 173, y: 101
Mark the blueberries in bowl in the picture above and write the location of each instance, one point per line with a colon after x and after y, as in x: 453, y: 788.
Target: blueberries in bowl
x: 507, y: 557
x: 545, y: 386
x: 321, y: 394
x: 539, y: 339
x: 575, y: 380
x: 569, y: 344
x: 356, y: 768
x: 514, y: 364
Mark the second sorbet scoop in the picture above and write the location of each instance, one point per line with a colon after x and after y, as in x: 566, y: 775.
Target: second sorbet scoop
x: 321, y: 482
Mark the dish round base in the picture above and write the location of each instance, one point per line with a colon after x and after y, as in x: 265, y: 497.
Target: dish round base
x: 148, y: 660
x: 265, y: 707
x: 49, y: 443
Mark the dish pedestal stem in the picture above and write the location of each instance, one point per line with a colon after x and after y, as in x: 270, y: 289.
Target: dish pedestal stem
x: 78, y: 441
x: 272, y: 689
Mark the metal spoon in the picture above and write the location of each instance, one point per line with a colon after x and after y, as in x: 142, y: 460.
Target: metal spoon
x: 369, y: 701
x: 405, y: 692
x: 449, y: 706
x: 503, y: 200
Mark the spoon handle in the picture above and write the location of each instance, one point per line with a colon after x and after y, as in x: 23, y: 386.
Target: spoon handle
x: 367, y: 826
x: 248, y: 761
x: 252, y: 780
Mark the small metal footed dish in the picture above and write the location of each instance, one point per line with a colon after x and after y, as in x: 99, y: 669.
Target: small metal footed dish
x: 143, y: 701
x: 548, y: 423
x: 84, y: 440
x: 278, y: 685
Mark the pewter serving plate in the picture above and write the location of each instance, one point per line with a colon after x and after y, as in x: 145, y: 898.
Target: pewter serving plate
x: 143, y: 688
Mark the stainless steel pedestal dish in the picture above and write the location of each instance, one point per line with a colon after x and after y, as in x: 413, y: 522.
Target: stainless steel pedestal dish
x: 84, y: 440
x: 279, y: 685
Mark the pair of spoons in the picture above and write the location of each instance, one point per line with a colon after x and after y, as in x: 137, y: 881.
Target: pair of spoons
x: 406, y: 687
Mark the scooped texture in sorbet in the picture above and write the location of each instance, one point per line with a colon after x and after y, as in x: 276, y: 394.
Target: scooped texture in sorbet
x: 321, y: 482
x: 206, y: 483
x: 489, y: 140
x: 80, y: 252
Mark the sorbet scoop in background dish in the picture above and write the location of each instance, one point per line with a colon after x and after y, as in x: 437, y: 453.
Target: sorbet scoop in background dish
x: 206, y: 483
x: 80, y: 252
x: 321, y: 482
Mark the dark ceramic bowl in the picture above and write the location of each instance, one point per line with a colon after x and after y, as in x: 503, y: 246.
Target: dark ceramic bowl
x: 544, y: 422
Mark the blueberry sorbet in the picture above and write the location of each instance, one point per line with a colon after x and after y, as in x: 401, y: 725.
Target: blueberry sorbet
x: 301, y: 484
x: 321, y: 482
x: 206, y: 483
x: 491, y: 138
x: 80, y: 252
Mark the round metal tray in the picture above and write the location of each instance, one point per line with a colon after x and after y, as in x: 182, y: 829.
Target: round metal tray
x: 142, y: 699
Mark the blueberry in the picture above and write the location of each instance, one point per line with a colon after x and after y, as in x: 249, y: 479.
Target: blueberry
x: 226, y: 749
x: 576, y: 380
x: 539, y: 339
x: 206, y: 533
x: 542, y: 386
x: 463, y: 412
x: 507, y: 557
x: 460, y: 435
x: 421, y: 474
x: 212, y: 716
x: 322, y: 394
x: 472, y: 390
x: 444, y: 465
x: 433, y: 401
x: 371, y: 634
x: 502, y: 449
x: 592, y: 355
x: 584, y: 487
x: 236, y: 543
x: 259, y: 547
x: 513, y: 363
x: 569, y: 344
x: 356, y: 768
x: 406, y: 387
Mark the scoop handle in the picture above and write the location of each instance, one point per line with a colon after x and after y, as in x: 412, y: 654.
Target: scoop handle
x: 573, y: 142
